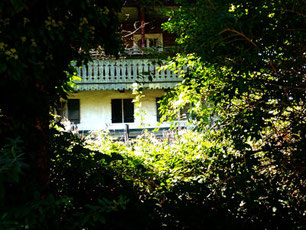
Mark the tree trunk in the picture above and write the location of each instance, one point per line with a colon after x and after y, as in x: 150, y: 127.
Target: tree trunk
x: 42, y: 152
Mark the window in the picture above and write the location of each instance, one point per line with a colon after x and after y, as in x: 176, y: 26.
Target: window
x: 122, y: 110
x: 74, y: 110
x: 151, y: 41
x: 183, y: 113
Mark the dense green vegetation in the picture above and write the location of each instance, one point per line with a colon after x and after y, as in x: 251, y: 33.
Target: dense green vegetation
x: 246, y: 81
x: 38, y: 41
x: 181, y: 182
x: 242, y: 167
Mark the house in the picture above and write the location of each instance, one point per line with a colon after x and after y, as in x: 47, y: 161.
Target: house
x: 104, y: 98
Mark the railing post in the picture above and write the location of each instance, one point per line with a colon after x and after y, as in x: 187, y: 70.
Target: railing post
x: 126, y: 132
x: 84, y: 73
x: 95, y: 71
x: 89, y: 71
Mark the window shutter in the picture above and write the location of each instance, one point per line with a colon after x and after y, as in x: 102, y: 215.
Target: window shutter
x: 74, y: 110
x: 116, y: 111
x: 128, y: 106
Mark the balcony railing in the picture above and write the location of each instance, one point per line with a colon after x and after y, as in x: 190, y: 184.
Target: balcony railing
x: 121, y: 74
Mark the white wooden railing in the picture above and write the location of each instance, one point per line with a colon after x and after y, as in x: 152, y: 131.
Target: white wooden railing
x: 125, y: 71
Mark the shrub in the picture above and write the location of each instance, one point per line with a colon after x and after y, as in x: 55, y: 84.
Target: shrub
x: 192, y: 182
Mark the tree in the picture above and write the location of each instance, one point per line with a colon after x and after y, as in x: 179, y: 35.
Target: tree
x: 246, y: 79
x: 39, y: 40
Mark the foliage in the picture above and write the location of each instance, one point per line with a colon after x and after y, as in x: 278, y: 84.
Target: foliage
x: 38, y: 42
x: 40, y: 39
x: 11, y: 161
x: 192, y: 182
x: 245, y: 168
x: 250, y: 69
x: 86, y: 191
x: 245, y: 80
x: 98, y: 195
x: 139, y: 112
x: 184, y: 181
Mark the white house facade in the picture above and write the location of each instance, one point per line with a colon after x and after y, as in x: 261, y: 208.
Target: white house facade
x: 104, y: 98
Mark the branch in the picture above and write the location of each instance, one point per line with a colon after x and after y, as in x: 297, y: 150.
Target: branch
x: 134, y: 31
x: 212, y: 5
x: 296, y: 12
x: 241, y: 34
x: 288, y: 87
x: 274, y: 70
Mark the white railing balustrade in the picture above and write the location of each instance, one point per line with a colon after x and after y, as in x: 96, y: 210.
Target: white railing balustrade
x: 125, y: 71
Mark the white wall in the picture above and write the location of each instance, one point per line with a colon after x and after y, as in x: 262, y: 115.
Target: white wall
x: 95, y: 108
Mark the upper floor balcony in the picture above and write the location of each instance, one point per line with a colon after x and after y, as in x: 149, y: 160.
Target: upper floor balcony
x: 121, y: 74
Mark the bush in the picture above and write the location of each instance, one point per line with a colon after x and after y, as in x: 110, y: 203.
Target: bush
x: 98, y: 197
x: 183, y: 182
x: 192, y: 182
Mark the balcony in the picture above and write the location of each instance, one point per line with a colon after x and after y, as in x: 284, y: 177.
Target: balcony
x: 121, y: 74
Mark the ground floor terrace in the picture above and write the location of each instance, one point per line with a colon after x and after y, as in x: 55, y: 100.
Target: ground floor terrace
x: 115, y: 111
